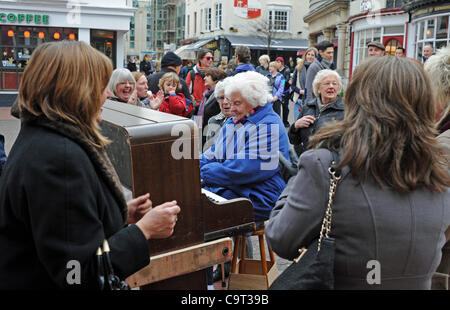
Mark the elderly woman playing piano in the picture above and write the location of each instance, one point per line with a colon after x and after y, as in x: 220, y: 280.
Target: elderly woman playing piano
x: 243, y: 161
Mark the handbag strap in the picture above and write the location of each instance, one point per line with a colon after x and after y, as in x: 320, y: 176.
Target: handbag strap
x: 335, y: 176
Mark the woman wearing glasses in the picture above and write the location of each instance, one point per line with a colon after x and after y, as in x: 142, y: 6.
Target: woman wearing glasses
x: 195, y: 78
x: 326, y: 107
x: 122, y: 86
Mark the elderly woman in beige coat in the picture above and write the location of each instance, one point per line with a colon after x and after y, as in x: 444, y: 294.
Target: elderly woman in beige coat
x: 438, y: 68
x: 392, y: 203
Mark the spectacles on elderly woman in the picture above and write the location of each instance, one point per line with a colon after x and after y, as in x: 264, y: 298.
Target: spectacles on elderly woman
x: 329, y: 83
x: 221, y: 98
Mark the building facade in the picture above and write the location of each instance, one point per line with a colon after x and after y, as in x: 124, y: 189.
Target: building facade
x: 138, y: 41
x: 25, y: 24
x: 327, y: 20
x: 383, y: 20
x: 429, y: 24
x: 264, y: 26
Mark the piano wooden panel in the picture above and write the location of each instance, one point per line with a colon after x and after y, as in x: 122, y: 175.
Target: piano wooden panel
x: 142, y: 151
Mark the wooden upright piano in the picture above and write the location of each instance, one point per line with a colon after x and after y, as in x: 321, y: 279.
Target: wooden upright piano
x: 157, y: 153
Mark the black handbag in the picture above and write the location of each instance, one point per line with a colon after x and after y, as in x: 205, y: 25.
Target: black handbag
x: 313, y: 269
x: 106, y: 278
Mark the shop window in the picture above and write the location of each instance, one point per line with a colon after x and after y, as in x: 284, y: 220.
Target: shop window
x: 433, y: 31
x: 17, y: 44
x: 391, y: 46
x: 442, y: 27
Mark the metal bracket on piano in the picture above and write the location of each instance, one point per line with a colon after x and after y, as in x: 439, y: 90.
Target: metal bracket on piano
x: 183, y: 261
x: 232, y: 231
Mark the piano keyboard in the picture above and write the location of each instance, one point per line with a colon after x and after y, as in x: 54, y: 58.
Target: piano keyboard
x: 213, y: 197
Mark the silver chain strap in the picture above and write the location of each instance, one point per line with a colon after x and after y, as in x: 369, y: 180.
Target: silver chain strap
x: 326, y: 224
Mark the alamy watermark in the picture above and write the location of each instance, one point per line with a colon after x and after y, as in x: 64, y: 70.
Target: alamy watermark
x: 374, y: 275
x: 256, y: 142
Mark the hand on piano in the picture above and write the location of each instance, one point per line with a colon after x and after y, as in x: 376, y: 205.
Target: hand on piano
x: 137, y: 208
x: 159, y: 222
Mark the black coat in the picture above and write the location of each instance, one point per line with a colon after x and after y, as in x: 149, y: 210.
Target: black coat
x: 211, y: 109
x: 153, y: 84
x: 57, y: 204
x: 146, y: 67
x: 300, y: 137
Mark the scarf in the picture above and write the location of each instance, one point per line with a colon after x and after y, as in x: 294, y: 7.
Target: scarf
x: 98, y: 156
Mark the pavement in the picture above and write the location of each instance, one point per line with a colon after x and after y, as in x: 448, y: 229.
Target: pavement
x: 10, y: 126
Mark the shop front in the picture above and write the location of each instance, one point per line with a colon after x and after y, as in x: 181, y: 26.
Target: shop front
x: 23, y: 27
x: 388, y: 26
x: 429, y: 26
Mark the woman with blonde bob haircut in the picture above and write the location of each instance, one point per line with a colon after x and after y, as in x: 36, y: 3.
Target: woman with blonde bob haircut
x: 60, y: 197
x: 392, y: 203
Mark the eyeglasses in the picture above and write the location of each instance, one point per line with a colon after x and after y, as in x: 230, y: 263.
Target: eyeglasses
x: 221, y: 98
x: 329, y: 84
x: 208, y: 57
x: 126, y: 82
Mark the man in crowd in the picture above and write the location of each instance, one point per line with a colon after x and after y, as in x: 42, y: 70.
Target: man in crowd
x: 242, y: 57
x: 400, y: 52
x: 427, y: 52
x: 376, y: 49
x: 323, y: 61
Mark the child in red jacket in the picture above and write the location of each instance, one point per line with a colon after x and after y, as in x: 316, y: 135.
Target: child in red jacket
x: 173, y: 102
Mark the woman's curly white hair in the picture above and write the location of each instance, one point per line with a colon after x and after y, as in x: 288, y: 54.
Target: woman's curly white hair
x: 438, y: 68
x: 253, y: 87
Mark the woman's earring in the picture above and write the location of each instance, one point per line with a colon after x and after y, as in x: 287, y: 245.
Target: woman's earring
x: 318, y: 92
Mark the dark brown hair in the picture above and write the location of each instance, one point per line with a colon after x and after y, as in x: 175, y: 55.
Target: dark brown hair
x: 388, y: 129
x: 216, y: 74
x: 65, y: 80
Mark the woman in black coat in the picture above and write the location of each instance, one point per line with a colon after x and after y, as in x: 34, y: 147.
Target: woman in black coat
x: 325, y: 108
x: 60, y: 197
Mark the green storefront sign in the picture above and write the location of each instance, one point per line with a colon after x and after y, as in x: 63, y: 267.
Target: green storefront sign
x: 24, y: 18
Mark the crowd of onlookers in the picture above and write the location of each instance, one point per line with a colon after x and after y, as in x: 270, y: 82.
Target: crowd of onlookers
x: 388, y: 135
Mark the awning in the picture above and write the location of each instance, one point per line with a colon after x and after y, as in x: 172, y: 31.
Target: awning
x: 184, y: 53
x: 260, y: 43
x: 199, y: 44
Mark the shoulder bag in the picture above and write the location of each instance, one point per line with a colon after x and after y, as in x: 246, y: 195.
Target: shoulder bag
x: 106, y: 278
x: 313, y: 269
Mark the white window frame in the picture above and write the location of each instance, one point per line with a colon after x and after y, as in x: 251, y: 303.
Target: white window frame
x: 219, y: 14
x: 272, y: 10
x: 208, y: 19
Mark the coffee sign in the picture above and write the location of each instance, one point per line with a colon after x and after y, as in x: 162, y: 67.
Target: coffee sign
x: 24, y: 18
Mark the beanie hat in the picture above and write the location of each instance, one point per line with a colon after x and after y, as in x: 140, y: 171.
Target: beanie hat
x: 171, y: 59
x: 280, y: 59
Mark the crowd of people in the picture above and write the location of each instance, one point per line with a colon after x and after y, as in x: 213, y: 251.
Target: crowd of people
x: 390, y: 128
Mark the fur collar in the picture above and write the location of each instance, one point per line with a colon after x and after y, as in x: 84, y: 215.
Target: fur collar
x: 98, y: 157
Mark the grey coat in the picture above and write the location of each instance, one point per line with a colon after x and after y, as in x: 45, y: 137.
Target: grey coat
x: 403, y: 232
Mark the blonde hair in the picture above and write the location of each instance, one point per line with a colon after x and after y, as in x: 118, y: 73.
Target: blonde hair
x: 170, y: 77
x: 388, y: 128
x: 265, y: 57
x: 274, y: 64
x: 65, y: 80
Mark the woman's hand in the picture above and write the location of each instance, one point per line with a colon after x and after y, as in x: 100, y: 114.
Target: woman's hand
x: 275, y: 98
x: 138, y: 207
x: 156, y: 102
x: 159, y: 222
x: 302, y: 91
x: 304, y: 122
x: 133, y: 98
